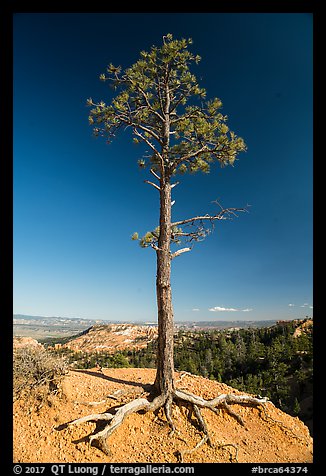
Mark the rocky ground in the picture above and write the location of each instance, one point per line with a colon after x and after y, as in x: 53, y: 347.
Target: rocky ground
x: 112, y: 338
x: 41, y: 436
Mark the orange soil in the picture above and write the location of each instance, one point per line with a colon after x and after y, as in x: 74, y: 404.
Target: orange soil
x: 144, y: 438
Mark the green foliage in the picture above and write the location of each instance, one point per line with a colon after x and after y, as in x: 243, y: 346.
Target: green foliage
x: 135, y: 236
x: 160, y: 89
x: 147, y: 239
x: 296, y: 406
x: 266, y: 361
x: 86, y: 360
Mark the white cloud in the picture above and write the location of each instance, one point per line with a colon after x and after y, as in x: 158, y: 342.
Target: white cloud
x: 291, y: 305
x: 306, y: 304
x: 195, y: 309
x: 221, y: 309
x: 228, y: 309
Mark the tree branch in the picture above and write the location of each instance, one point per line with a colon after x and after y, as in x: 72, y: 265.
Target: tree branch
x: 148, y: 104
x: 174, y: 184
x: 155, y: 175
x: 224, y: 214
x: 179, y: 252
x: 153, y: 184
x: 146, y: 129
x: 186, y: 157
x: 148, y: 142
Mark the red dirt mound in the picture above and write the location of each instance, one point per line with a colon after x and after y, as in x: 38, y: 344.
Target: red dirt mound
x: 267, y: 437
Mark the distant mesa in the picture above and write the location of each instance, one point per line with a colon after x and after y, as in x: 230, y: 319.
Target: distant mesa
x: 112, y: 338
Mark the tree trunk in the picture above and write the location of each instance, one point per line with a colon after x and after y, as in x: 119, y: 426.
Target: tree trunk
x: 164, y: 381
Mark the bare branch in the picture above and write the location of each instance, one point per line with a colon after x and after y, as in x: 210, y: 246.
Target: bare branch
x: 224, y: 214
x: 179, y: 252
x: 153, y: 184
x: 174, y: 184
x: 155, y: 175
x: 193, y: 219
x: 198, y: 235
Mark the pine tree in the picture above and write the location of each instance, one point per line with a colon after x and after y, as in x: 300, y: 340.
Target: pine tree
x: 159, y: 99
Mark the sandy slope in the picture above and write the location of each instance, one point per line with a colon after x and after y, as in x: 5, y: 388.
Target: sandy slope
x: 145, y: 438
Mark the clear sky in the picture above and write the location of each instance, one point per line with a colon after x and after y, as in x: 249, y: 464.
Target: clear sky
x: 77, y: 200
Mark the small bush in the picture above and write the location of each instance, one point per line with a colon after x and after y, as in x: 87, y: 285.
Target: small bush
x: 36, y: 369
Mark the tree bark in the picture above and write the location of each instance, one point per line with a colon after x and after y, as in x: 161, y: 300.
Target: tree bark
x: 164, y: 381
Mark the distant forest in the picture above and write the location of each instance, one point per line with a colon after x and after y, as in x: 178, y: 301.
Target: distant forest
x: 266, y: 361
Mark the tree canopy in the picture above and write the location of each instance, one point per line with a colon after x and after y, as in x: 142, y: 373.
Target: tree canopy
x: 159, y: 98
x: 160, y: 91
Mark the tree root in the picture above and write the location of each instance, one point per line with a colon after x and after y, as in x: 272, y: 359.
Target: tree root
x: 233, y: 459
x: 184, y: 452
x: 194, y: 402
x: 281, y: 424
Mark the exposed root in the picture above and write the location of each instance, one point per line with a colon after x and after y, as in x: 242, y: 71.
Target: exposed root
x: 281, y: 424
x: 202, y: 424
x: 99, y: 438
x: 167, y: 408
x: 184, y: 374
x: 222, y: 401
x: 228, y: 409
x: 232, y: 458
x: 193, y: 402
x: 184, y: 452
x: 93, y: 417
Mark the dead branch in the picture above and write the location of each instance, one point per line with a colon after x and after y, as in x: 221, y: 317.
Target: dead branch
x: 179, y: 252
x: 153, y: 184
x: 224, y: 214
x: 174, y: 184
x: 155, y: 174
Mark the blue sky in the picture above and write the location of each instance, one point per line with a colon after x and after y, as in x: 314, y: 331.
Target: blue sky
x: 77, y: 200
